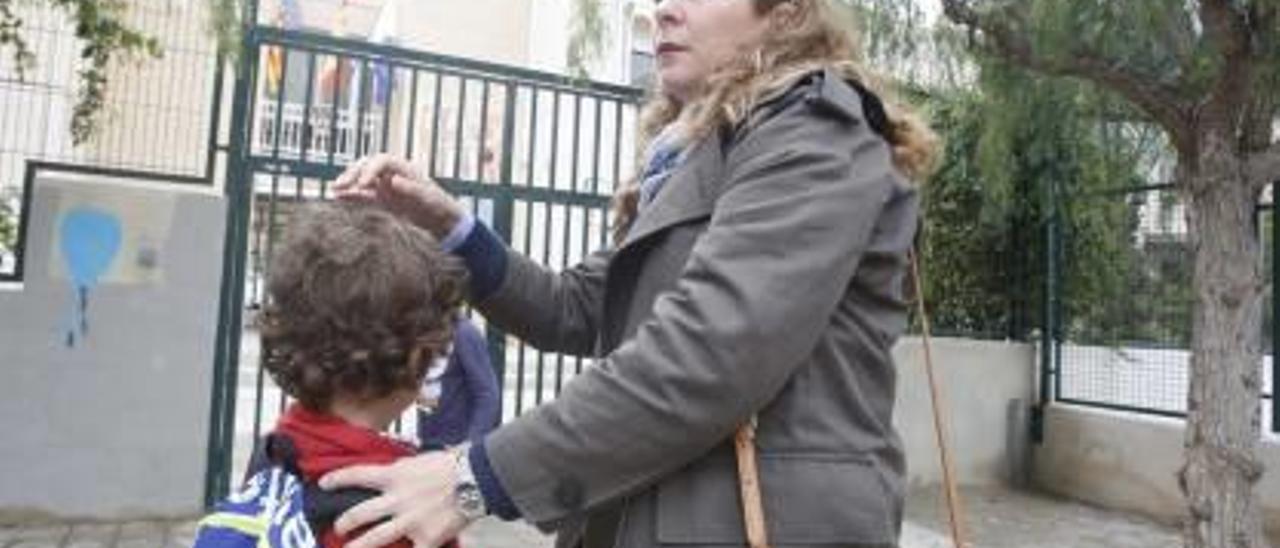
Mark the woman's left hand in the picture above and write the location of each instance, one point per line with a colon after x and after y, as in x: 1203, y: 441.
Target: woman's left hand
x: 417, y: 498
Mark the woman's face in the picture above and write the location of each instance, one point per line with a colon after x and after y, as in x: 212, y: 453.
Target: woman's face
x: 697, y: 37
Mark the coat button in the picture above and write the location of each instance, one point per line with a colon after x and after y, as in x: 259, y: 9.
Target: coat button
x: 569, y: 494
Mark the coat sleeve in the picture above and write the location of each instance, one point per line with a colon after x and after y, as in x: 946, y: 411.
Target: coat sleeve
x: 553, y: 311
x: 802, y: 194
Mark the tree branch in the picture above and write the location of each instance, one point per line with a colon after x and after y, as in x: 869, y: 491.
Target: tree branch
x: 1163, y: 102
x: 1226, y: 25
x: 1264, y: 167
x: 1227, y: 29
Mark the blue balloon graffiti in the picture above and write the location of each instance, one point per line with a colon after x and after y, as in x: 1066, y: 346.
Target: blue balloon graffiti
x: 90, y: 241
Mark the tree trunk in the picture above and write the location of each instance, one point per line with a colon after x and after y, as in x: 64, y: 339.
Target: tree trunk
x: 1224, y: 407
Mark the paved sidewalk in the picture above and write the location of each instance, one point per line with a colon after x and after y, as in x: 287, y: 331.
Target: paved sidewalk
x: 179, y: 534
x: 996, y: 518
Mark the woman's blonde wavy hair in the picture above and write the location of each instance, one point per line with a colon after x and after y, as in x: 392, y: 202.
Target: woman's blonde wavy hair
x: 813, y: 36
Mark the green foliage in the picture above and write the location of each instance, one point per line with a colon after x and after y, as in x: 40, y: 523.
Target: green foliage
x: 104, y: 36
x: 224, y: 25
x: 1015, y: 147
x: 1157, y: 38
x: 8, y: 228
x: 587, y: 34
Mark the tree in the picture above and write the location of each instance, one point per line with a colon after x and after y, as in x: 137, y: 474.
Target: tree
x: 986, y: 209
x: 587, y: 33
x: 1206, y: 72
x: 102, y: 27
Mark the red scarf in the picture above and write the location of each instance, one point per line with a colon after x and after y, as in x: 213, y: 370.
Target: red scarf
x: 325, y: 443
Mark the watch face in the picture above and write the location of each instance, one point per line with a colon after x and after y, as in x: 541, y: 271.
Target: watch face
x: 469, y: 500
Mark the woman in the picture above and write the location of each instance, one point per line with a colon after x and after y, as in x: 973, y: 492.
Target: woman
x: 758, y: 273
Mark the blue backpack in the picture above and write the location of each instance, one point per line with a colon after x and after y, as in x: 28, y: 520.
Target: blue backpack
x: 267, y: 512
x: 275, y: 508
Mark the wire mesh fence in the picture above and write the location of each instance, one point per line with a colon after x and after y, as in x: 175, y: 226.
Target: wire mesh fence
x: 158, y: 114
x: 1123, y: 325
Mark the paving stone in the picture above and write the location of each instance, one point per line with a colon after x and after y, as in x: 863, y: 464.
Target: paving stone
x: 141, y: 534
x: 36, y: 544
x: 181, y: 534
x: 30, y: 536
x: 1002, y: 518
x: 96, y: 535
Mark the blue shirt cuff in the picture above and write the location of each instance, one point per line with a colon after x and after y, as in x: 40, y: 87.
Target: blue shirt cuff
x: 485, y: 257
x: 459, y: 234
x: 496, y: 500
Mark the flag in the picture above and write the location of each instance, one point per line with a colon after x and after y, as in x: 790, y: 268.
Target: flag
x: 288, y: 17
x: 384, y: 32
x: 336, y: 72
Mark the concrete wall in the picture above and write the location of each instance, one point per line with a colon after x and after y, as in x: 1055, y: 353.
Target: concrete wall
x: 1128, y: 462
x: 114, y: 425
x: 977, y: 380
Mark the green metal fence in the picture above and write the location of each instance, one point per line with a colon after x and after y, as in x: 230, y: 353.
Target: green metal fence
x: 1120, y: 299
x: 534, y: 155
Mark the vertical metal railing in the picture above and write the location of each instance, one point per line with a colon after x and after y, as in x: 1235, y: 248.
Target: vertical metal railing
x: 1272, y: 388
x: 512, y: 143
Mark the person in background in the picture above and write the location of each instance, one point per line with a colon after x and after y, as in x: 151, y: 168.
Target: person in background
x: 463, y: 402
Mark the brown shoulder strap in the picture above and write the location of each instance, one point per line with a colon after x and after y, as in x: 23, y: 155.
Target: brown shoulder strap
x: 744, y: 445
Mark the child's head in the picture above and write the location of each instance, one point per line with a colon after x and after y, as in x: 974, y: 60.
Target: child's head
x: 359, y: 303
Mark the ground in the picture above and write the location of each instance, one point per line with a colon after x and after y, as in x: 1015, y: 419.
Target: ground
x: 996, y: 518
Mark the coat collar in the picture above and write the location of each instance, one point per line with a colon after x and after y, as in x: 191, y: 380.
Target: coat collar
x: 688, y: 194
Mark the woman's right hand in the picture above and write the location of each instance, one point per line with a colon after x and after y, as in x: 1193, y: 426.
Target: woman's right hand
x: 393, y: 184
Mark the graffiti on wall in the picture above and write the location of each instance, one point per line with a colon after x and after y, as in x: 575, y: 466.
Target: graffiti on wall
x: 89, y: 243
x: 105, y: 235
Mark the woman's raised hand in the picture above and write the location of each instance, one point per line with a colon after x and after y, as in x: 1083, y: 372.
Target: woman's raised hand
x: 395, y: 185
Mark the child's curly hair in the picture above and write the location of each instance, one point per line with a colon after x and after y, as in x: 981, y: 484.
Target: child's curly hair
x: 359, y: 303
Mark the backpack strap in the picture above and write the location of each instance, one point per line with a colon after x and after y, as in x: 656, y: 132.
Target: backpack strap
x: 321, y: 507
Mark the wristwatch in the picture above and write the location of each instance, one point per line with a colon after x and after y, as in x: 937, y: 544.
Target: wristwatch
x: 466, y: 492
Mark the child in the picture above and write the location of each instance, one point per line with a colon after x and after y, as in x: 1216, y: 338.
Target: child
x: 359, y: 304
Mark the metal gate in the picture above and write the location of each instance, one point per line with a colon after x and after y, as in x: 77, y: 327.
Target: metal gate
x: 534, y: 155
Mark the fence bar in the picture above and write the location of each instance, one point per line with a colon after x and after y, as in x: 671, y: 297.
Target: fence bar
x: 555, y: 139
x: 546, y: 258
x: 520, y: 364
x: 1122, y: 408
x: 533, y: 138
x: 1275, y: 311
x: 1048, y: 326
x: 305, y: 139
x: 484, y: 132
x: 409, y: 137
x: 326, y: 42
x: 362, y: 99
x: 239, y: 191
x: 334, y: 99
x: 528, y: 233
x: 435, y: 125
x: 503, y: 211
x: 458, y: 134
x: 386, y: 104
x: 568, y: 217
